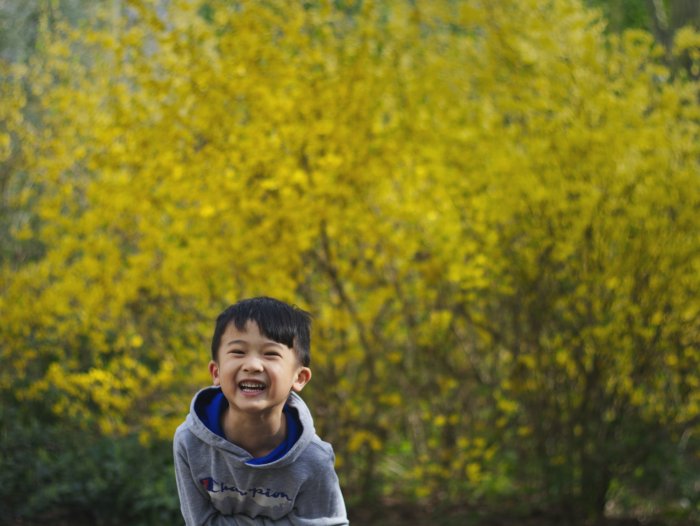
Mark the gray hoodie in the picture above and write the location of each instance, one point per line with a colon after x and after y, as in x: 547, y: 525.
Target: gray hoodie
x: 217, y: 487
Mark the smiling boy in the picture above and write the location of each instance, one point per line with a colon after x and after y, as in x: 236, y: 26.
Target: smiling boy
x: 248, y: 452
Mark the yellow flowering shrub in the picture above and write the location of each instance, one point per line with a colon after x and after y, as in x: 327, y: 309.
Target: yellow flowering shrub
x: 489, y: 207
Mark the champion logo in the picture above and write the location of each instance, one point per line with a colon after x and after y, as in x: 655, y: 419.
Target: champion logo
x: 214, y: 486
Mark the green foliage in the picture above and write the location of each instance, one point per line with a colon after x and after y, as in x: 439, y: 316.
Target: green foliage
x: 53, y: 473
x: 624, y: 14
x: 491, y: 209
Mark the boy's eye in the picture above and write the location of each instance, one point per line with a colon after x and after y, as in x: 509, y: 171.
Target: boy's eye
x: 272, y: 354
x: 236, y: 351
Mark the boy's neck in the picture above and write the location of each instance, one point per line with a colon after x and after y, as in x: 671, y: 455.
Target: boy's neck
x: 258, y: 434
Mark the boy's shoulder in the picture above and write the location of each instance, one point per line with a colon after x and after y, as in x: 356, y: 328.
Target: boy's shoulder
x: 184, y: 435
x: 316, y: 457
x: 182, y: 432
x: 320, y: 449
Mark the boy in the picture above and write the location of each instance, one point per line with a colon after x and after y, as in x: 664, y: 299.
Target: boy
x: 248, y: 453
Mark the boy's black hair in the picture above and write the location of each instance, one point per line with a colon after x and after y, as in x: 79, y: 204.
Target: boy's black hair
x: 278, y: 321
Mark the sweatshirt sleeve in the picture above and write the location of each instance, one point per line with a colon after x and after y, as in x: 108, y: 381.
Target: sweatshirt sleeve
x: 320, y: 502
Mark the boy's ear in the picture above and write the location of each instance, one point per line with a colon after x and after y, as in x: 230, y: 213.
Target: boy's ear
x: 302, y: 378
x: 214, y: 372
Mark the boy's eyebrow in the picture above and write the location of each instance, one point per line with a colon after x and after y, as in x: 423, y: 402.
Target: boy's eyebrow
x: 266, y: 344
x: 232, y: 342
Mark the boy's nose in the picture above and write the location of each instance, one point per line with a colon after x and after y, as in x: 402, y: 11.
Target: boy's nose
x: 252, y: 364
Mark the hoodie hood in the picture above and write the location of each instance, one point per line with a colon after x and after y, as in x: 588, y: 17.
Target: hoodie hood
x: 239, y: 456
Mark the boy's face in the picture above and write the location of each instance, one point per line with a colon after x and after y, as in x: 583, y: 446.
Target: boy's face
x: 256, y: 374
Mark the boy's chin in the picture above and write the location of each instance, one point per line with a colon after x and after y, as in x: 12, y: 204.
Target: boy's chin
x: 256, y: 406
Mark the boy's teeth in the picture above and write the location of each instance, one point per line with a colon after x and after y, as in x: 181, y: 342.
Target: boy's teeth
x: 246, y: 385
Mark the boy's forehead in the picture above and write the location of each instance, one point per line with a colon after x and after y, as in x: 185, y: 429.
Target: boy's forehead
x: 250, y: 328
x: 250, y: 325
x: 251, y: 331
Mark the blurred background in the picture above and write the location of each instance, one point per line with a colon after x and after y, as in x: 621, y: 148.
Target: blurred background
x: 491, y: 208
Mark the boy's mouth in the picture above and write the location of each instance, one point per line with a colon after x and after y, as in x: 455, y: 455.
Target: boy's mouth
x: 249, y: 386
